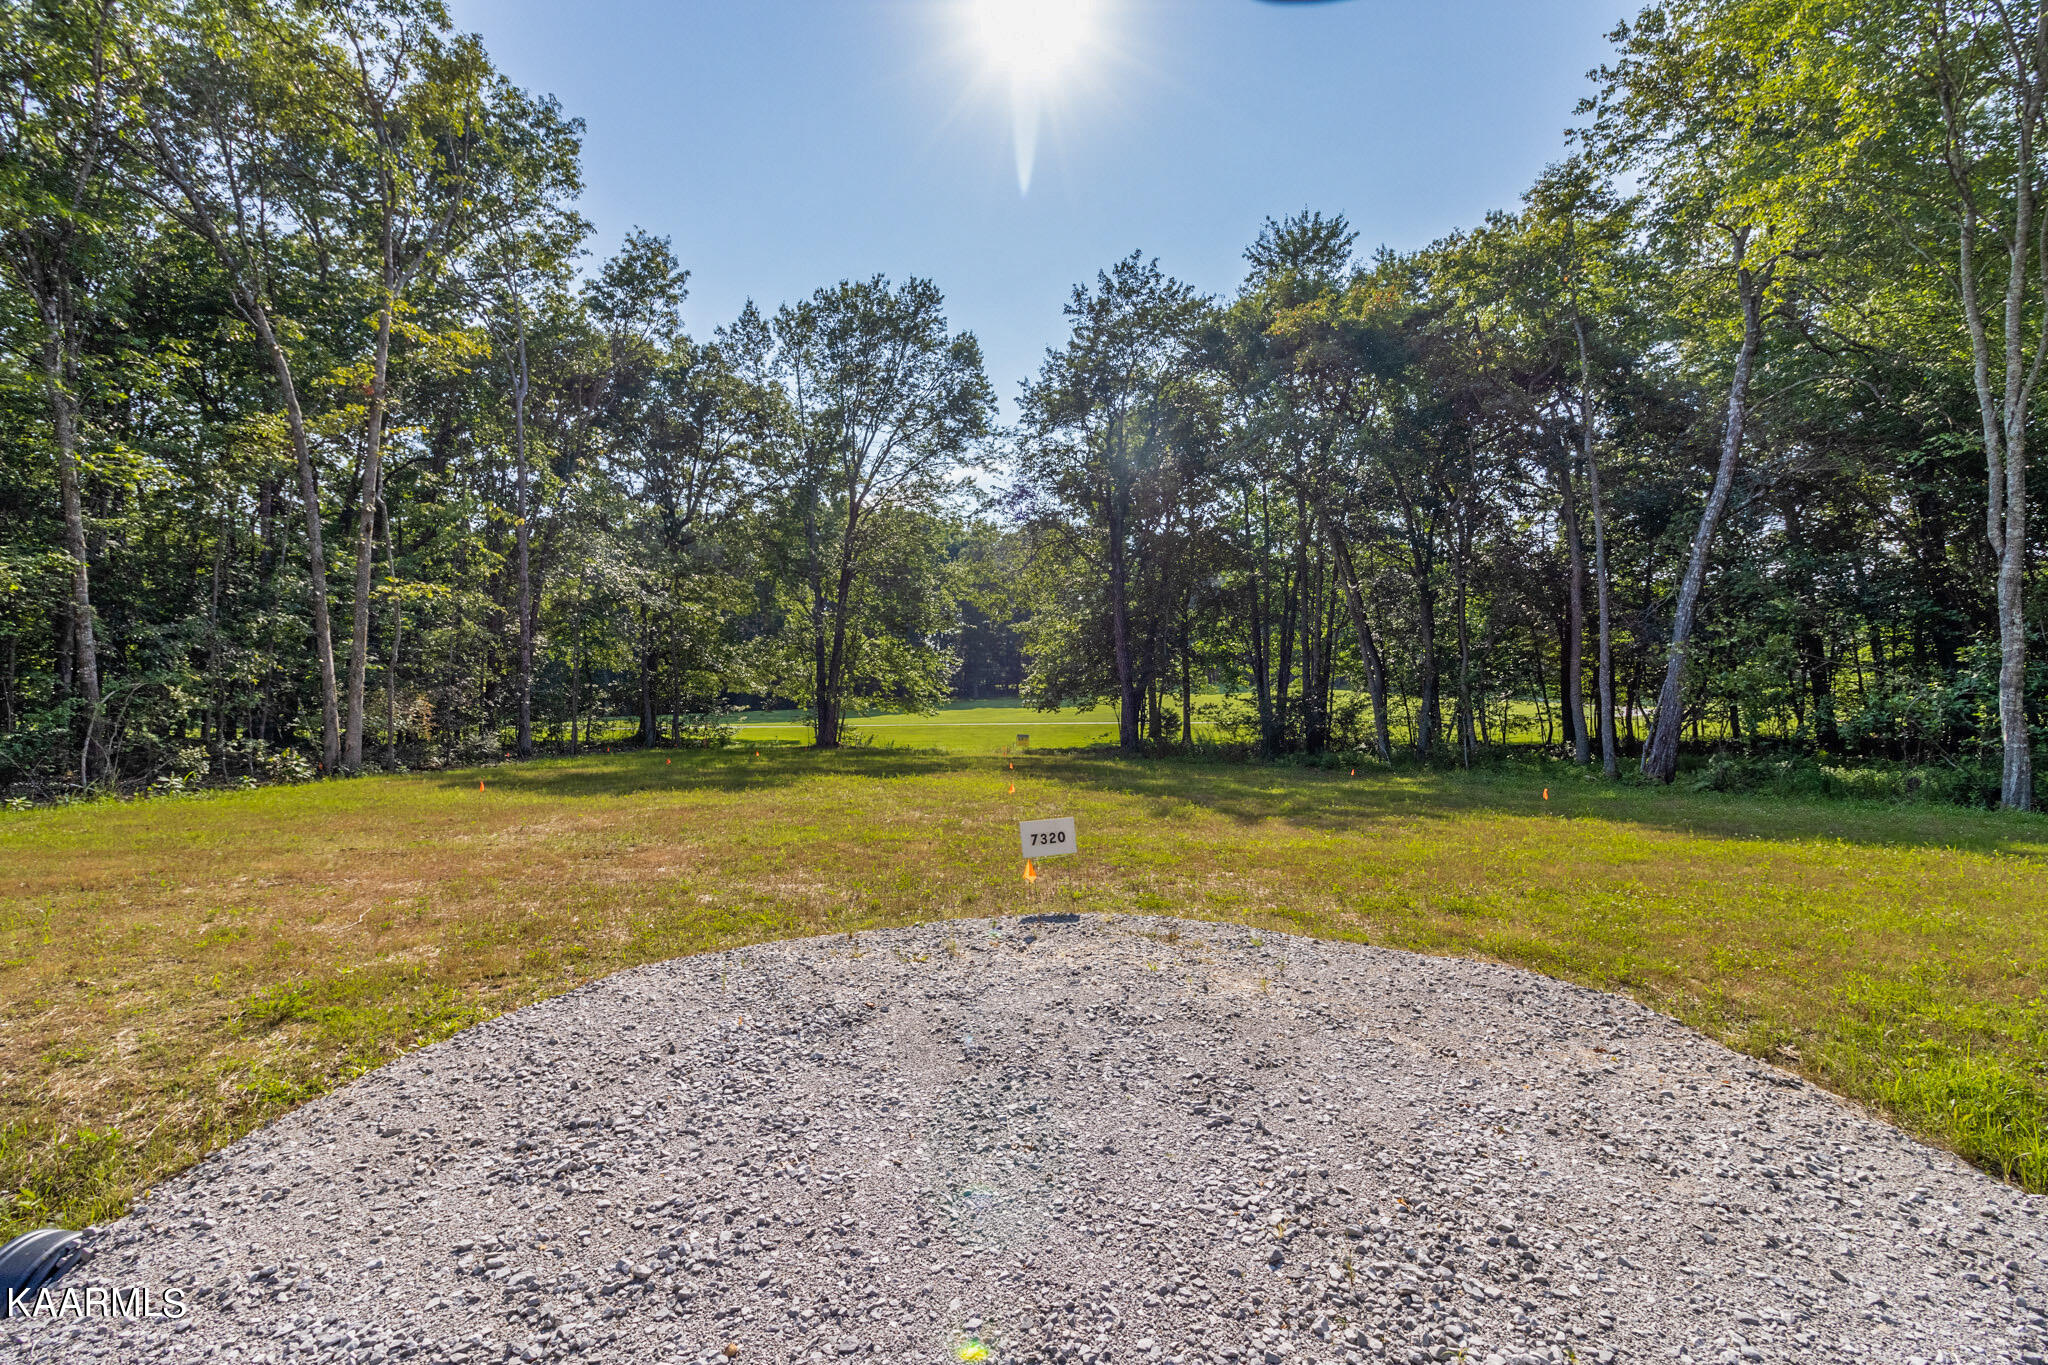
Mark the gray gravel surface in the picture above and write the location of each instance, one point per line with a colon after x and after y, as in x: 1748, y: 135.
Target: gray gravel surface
x: 1097, y: 1140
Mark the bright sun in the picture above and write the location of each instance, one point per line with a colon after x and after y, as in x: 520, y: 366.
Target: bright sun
x: 1036, y: 46
x: 1034, y: 41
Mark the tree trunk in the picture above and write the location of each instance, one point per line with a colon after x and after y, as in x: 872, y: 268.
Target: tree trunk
x: 675, y: 657
x: 1119, y: 623
x: 397, y: 632
x: 366, y: 545
x: 2004, y: 412
x: 831, y: 713
x: 1608, y: 762
x: 64, y: 647
x: 1807, y: 641
x: 1635, y: 692
x: 1660, y: 758
x: 2016, y: 785
x: 648, y: 734
x: 316, y: 554
x: 523, y: 537
x: 1464, y: 650
x: 1429, y: 722
x: 1375, y: 665
x: 1290, y: 599
x: 1575, y: 614
x: 576, y: 678
x: 1256, y: 637
x: 1422, y: 566
x: 826, y: 735
x: 83, y: 642
x: 1314, y: 725
x: 1187, y: 695
x: 1261, y: 636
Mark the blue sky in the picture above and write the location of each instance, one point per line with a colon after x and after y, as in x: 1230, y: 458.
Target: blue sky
x: 787, y: 144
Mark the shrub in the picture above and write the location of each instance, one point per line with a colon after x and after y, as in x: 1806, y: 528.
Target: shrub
x: 1964, y: 782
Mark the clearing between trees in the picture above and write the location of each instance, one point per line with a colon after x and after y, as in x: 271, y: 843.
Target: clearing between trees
x: 179, y: 971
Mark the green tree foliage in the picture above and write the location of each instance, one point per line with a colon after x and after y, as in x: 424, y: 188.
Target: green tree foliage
x: 877, y: 405
x: 322, y: 443
x: 1110, y: 474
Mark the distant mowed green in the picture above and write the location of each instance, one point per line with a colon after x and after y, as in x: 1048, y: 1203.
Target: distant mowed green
x: 961, y: 728
x: 174, y: 972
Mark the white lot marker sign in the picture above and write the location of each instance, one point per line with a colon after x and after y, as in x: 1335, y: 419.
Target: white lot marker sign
x: 1046, y: 838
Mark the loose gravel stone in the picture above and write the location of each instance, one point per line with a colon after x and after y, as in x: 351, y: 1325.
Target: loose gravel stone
x: 1103, y: 1140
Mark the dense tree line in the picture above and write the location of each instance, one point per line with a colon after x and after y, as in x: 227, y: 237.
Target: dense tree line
x: 322, y: 444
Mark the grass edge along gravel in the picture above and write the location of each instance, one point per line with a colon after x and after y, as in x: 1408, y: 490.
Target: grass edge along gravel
x: 151, y: 1016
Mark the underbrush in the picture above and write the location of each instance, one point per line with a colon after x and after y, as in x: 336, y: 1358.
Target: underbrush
x: 1961, y: 783
x: 1793, y: 776
x: 257, y: 765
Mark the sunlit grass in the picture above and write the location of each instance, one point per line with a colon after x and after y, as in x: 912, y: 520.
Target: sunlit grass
x: 173, y: 972
x: 987, y: 727
x: 974, y: 727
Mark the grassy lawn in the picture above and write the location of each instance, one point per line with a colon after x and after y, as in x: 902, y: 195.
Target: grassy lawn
x: 988, y: 727
x: 962, y: 727
x: 174, y: 972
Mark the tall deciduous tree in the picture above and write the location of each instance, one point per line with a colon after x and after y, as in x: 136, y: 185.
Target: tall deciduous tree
x: 405, y: 105
x: 65, y: 90
x: 1673, y: 105
x: 884, y: 403
x: 1923, y: 122
x: 1316, y: 342
x: 1589, y: 230
x: 527, y: 235
x: 235, y: 104
x: 1100, y: 417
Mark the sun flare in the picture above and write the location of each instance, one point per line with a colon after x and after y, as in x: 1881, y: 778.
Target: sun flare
x: 1034, y: 42
x: 1036, y: 47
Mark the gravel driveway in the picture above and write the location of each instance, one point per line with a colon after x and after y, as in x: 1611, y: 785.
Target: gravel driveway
x: 1093, y: 1140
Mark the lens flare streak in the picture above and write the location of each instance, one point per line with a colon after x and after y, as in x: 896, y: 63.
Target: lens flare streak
x: 1035, y: 47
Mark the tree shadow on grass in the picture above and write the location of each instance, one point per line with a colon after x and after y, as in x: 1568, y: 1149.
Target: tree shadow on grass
x: 1336, y: 801
x: 732, y: 770
x: 1313, y: 799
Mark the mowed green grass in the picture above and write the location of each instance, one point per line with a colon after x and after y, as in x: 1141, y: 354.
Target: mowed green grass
x: 175, y: 972
x: 967, y: 727
x: 989, y: 727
